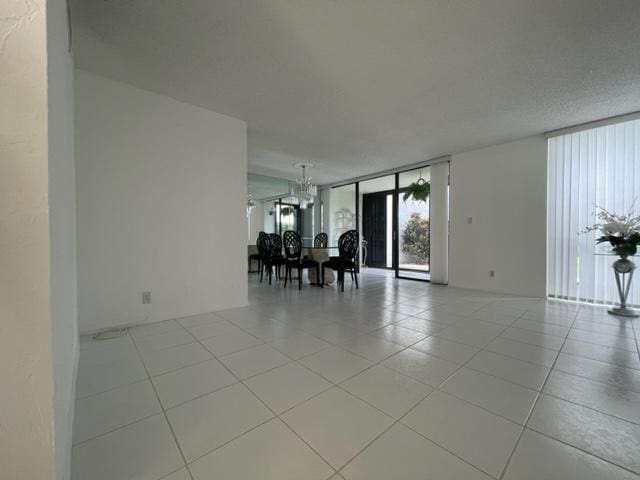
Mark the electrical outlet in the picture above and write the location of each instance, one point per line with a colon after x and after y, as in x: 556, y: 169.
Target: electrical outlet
x: 146, y: 298
x: 492, y: 273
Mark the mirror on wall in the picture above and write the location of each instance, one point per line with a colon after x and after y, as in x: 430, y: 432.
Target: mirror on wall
x: 275, y: 211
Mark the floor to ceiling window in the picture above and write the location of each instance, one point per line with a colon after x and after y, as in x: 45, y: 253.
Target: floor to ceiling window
x: 377, y: 221
x: 413, y: 232
x: 597, y: 167
x: 393, y: 214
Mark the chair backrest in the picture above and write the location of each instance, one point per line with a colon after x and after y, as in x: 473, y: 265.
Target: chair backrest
x: 348, y: 245
x: 292, y: 244
x: 264, y: 245
x: 276, y: 244
x: 321, y: 240
x: 260, y: 234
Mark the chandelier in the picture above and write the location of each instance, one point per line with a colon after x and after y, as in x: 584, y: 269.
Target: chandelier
x: 302, y: 189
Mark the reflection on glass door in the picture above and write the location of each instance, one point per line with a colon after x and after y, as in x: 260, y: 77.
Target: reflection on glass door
x: 286, y: 216
x: 413, y: 226
x: 289, y: 215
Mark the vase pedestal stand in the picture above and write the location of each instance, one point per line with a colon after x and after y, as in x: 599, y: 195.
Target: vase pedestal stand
x: 623, y: 269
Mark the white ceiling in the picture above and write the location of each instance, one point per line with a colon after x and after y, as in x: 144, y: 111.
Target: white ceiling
x: 359, y: 86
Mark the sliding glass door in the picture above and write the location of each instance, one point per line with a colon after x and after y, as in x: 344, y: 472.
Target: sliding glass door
x: 394, y: 218
x: 413, y: 231
x: 377, y: 207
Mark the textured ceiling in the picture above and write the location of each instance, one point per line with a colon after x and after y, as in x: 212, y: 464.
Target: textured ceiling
x: 358, y: 86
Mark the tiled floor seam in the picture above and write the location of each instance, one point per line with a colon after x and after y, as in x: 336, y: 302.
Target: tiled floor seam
x: 592, y: 379
x: 374, y: 364
x: 164, y: 413
x: 111, y: 389
x: 447, y: 450
x: 582, y: 450
x: 275, y: 415
x: 138, y: 420
x: 636, y: 334
x: 591, y: 408
x: 399, y: 420
x: 555, y: 360
x: 333, y: 385
x: 597, y: 360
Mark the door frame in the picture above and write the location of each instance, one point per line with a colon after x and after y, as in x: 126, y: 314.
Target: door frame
x: 396, y: 234
x: 393, y: 199
x: 395, y: 230
x: 395, y: 211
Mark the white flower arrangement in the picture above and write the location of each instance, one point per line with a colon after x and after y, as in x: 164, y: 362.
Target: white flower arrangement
x: 621, y: 231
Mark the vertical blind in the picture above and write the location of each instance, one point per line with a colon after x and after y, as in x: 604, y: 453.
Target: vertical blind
x: 595, y: 167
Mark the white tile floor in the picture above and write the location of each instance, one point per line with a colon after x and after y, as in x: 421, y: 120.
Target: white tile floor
x: 399, y: 380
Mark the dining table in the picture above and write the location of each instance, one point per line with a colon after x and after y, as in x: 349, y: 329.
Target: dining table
x: 320, y: 255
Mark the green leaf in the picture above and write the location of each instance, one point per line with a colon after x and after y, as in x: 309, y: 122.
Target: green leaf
x: 419, y: 190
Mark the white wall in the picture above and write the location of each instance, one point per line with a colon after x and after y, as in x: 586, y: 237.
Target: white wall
x: 161, y: 193
x: 62, y: 213
x: 26, y: 370
x: 503, y: 189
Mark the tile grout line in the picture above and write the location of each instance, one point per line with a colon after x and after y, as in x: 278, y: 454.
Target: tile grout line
x: 375, y: 363
x: 399, y: 420
x: 595, y: 455
x: 164, y: 413
x: 591, y: 408
x: 538, y: 392
x: 304, y: 401
x: 533, y: 406
x: 111, y: 389
x: 636, y: 336
x: 117, y: 428
x: 275, y: 415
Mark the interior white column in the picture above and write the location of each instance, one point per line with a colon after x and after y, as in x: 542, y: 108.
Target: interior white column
x: 439, y: 217
x: 37, y: 343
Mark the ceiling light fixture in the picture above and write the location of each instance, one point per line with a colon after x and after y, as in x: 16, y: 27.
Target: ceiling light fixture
x: 302, y: 189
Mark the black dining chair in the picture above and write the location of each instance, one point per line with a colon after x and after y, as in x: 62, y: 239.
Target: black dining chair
x: 346, y: 260
x: 293, y: 256
x: 256, y: 256
x: 264, y: 250
x: 277, y: 259
x: 321, y: 240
